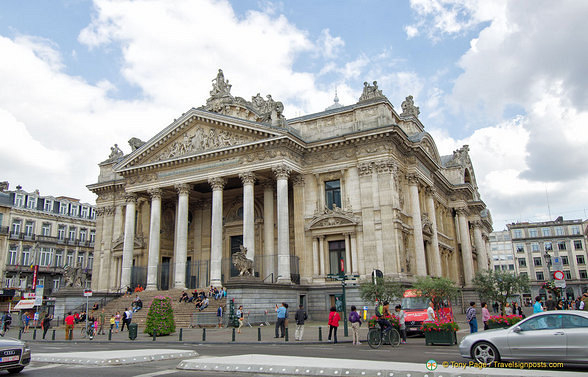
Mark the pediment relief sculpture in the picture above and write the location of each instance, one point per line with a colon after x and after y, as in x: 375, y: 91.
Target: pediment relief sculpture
x: 332, y: 218
x: 258, y: 109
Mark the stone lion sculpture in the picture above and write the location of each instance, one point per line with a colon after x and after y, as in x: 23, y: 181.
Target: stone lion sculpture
x: 244, y: 265
x: 74, y: 277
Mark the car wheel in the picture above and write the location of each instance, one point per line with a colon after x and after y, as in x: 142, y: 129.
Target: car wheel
x: 15, y: 370
x: 485, y: 353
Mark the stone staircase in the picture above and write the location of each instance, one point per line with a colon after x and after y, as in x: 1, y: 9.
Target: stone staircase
x: 182, y: 311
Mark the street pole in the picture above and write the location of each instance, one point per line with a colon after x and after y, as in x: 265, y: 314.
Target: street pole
x: 87, y: 302
x: 345, y: 328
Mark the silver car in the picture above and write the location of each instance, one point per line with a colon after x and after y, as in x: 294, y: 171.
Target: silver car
x: 560, y: 335
x: 14, y: 355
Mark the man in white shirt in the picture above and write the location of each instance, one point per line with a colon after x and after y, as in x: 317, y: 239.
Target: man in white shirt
x: 431, y: 312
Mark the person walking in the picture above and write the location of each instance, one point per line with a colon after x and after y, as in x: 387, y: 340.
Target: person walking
x: 282, y: 314
x: 101, y: 322
x: 117, y: 321
x: 112, y: 322
x: 46, y: 324
x: 300, y: 317
x: 550, y: 304
x: 219, y: 315
x: 240, y: 317
x: 124, y: 320
x: 507, y: 309
x: 401, y: 322
x: 471, y: 318
x: 355, y: 320
x: 334, y: 318
x: 431, y: 312
x: 584, y: 302
x: 537, y: 307
x: 25, y: 320
x: 69, y: 326
x: 129, y: 318
x: 485, y: 315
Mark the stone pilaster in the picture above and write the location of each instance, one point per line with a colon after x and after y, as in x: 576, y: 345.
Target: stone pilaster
x: 466, y: 247
x: 436, y: 269
x: 154, y: 238
x: 216, y: 234
x: 419, y: 245
x: 282, y: 173
x: 248, y: 180
x: 480, y: 246
x: 129, y: 241
x: 268, y: 227
x: 181, y: 236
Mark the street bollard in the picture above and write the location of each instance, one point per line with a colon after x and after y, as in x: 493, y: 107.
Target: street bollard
x: 154, y: 335
x: 109, y: 335
x: 320, y: 334
x: 259, y: 334
x: 286, y: 338
x: 204, y: 335
x: 53, y: 335
x: 181, y: 334
x: 19, y: 334
x: 233, y: 337
x: 34, y: 334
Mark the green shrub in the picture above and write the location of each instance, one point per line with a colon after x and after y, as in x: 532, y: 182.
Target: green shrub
x: 160, y: 317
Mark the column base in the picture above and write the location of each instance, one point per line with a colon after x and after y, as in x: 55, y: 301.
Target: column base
x: 216, y: 283
x: 179, y: 286
x: 284, y: 280
x: 151, y: 287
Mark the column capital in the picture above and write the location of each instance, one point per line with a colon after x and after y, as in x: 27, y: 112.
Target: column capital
x: 155, y: 193
x: 247, y: 178
x: 365, y: 168
x: 182, y: 188
x: 217, y: 183
x: 430, y: 190
x: 268, y: 184
x: 462, y: 211
x: 385, y: 166
x: 130, y: 197
x: 109, y: 210
x: 282, y: 171
x: 412, y: 179
x: 298, y: 180
x: 476, y: 223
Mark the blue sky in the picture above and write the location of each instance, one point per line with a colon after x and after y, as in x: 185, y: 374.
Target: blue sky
x: 79, y: 76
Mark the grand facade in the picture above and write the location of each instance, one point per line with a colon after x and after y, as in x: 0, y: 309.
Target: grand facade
x: 350, y: 189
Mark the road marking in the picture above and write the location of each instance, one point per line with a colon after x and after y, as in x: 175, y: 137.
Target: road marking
x: 160, y: 373
x: 444, y: 353
x: 44, y: 367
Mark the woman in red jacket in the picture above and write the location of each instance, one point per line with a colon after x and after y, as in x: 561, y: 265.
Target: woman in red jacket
x: 333, y: 323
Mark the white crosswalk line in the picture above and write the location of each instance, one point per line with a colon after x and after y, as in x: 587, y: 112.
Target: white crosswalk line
x: 43, y: 367
x: 160, y: 373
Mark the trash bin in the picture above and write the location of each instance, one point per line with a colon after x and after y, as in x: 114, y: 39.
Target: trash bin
x: 133, y: 328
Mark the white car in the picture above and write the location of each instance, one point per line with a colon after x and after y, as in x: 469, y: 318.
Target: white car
x: 559, y: 335
x: 14, y: 355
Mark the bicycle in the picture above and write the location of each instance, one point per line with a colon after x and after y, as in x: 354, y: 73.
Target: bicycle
x: 376, y: 337
x: 87, y: 332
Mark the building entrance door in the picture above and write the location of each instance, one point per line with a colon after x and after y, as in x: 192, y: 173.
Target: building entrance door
x: 236, y: 242
x: 164, y: 273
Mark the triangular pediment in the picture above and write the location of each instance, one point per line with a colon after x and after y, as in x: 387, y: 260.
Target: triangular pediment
x: 195, y: 133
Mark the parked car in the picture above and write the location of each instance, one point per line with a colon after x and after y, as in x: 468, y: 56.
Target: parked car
x: 415, y: 308
x: 559, y: 335
x: 14, y: 355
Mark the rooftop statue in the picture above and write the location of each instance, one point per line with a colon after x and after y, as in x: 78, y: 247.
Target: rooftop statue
x: 408, y: 108
x: 370, y: 92
x: 220, y: 87
x: 115, y: 152
x: 135, y: 143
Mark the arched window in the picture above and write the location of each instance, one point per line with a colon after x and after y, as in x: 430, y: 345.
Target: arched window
x: 467, y: 178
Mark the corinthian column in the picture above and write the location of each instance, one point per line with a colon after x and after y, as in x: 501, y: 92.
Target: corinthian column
x: 154, y: 238
x: 129, y: 242
x: 466, y: 248
x: 248, y: 180
x: 268, y: 229
x: 282, y: 172
x: 419, y: 245
x: 181, y: 236
x: 480, y: 246
x: 216, y: 233
x: 436, y: 257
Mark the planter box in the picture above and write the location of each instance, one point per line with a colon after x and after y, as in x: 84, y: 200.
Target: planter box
x: 493, y: 325
x: 445, y: 338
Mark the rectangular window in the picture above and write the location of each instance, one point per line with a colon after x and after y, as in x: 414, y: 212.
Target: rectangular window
x: 92, y: 235
x: 45, y: 256
x: 13, y: 255
x: 90, y: 261
x: 83, y: 235
x: 568, y: 275
x: 73, y: 210
x: 19, y: 200
x: 48, y: 207
x: 548, y: 246
x: 564, y: 260
x: 520, y: 248
x: 580, y: 259
x: 578, y: 245
x: 84, y: 213
x: 92, y: 214
x: 522, y: 262
x: 497, y: 268
x: 511, y: 267
x: 539, y: 275
x: 26, y: 257
x: 575, y: 229
x: 333, y: 194
x: 546, y: 232
x: 523, y: 273
x: 29, y: 226
x: 32, y: 202
x: 537, y: 261
x: 61, y: 232
x: 63, y: 208
x: 72, y: 233
x: 46, y: 229
x: 532, y: 232
x: 58, y: 262
x: 80, y: 260
x: 518, y: 233
x: 15, y: 227
x: 22, y: 283
x: 559, y: 231
x: 41, y: 281
x: 56, y: 285
x: 561, y: 245
x: 534, y: 247
x: 69, y: 258
x: 337, y: 256
x: 583, y: 274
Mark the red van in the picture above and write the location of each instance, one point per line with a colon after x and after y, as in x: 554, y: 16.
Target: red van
x: 415, y: 309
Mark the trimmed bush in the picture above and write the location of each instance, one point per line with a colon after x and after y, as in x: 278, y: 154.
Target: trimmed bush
x: 160, y: 317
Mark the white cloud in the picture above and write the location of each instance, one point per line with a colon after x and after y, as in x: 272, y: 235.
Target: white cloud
x: 328, y: 45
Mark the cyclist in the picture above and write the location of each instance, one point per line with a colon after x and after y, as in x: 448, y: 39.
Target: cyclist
x: 382, y: 311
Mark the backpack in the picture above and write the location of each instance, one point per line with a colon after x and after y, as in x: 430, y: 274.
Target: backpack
x: 379, y: 310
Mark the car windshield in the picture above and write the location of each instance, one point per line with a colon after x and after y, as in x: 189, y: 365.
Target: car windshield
x: 414, y: 303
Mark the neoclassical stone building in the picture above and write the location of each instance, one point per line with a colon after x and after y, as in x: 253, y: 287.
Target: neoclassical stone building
x: 352, y: 188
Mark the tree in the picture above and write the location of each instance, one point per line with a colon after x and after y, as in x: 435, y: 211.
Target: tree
x: 436, y: 288
x: 500, y: 285
x: 382, y: 289
x: 160, y: 317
